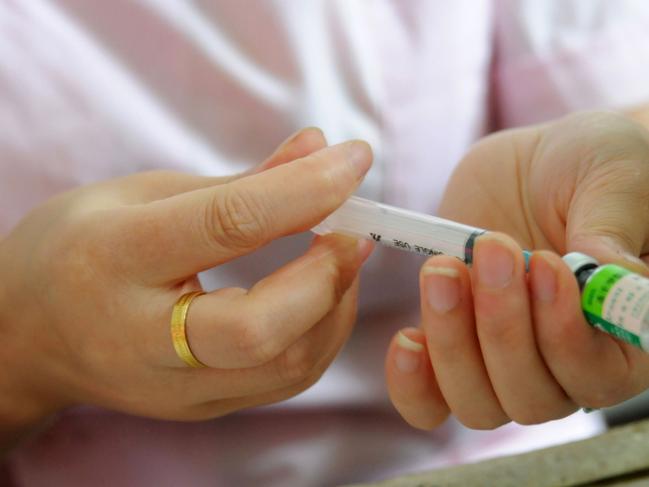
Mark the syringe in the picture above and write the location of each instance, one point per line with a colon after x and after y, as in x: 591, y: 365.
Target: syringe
x: 402, y: 229
x: 614, y: 299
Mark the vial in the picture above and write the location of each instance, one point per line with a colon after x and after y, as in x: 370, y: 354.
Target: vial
x: 613, y: 299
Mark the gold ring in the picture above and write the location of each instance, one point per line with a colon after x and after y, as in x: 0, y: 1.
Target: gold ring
x: 178, y: 331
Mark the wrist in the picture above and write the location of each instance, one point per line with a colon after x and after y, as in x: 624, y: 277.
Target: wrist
x: 24, y: 406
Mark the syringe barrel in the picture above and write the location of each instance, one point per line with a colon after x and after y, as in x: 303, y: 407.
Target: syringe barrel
x: 402, y: 229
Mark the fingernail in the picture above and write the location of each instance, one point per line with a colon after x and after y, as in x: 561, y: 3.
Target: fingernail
x: 317, y: 129
x: 359, y: 155
x: 365, y: 248
x: 442, y: 288
x: 408, y: 354
x: 635, y: 264
x: 543, y: 280
x: 307, y: 130
x: 633, y: 259
x: 493, y: 261
x: 294, y: 137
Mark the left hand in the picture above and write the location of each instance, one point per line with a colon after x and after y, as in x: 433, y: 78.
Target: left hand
x: 496, y: 344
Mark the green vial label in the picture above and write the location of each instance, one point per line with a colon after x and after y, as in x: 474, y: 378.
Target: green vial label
x: 617, y: 301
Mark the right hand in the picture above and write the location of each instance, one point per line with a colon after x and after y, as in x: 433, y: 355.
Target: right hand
x: 89, y: 280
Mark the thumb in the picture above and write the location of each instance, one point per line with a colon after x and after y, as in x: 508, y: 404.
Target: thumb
x: 608, y: 218
x: 191, y: 232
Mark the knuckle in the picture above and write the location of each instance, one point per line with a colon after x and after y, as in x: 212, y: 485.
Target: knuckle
x: 501, y: 330
x: 236, y: 218
x: 489, y: 305
x: 299, y: 363
x: 305, y: 383
x: 77, y: 256
x: 559, y: 339
x: 447, y: 345
x: 254, y: 341
x: 499, y: 319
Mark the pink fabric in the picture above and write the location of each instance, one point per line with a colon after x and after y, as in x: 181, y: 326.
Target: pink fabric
x: 555, y: 58
x: 91, y: 90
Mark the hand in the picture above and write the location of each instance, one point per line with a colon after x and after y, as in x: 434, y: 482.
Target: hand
x: 90, y: 278
x: 496, y: 345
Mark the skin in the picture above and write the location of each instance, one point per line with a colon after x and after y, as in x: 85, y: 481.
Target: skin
x: 90, y: 279
x: 496, y: 345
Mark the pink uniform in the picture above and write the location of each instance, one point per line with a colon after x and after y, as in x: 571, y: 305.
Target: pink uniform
x: 91, y: 90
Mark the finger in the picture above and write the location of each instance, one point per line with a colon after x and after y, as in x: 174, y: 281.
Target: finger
x: 595, y: 369
x: 526, y: 389
x: 411, y: 381
x: 253, y: 328
x: 298, y: 145
x: 259, y: 397
x: 149, y: 186
x: 449, y: 324
x: 176, y: 237
x: 307, y: 358
x: 300, y: 365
